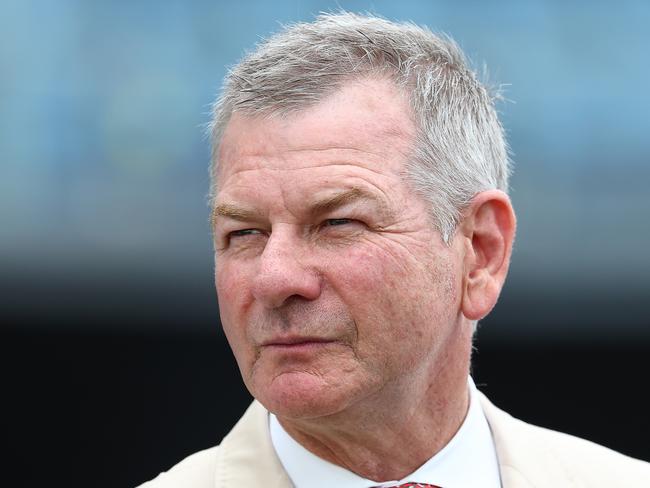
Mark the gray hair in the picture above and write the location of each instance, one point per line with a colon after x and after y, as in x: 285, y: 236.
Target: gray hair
x: 460, y: 148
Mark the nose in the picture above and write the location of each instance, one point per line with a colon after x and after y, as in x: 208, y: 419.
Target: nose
x: 284, y: 272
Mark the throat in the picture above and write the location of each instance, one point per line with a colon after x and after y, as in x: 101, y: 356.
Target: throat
x: 380, y: 447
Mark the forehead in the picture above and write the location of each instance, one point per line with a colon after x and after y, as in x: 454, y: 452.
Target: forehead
x: 366, y: 124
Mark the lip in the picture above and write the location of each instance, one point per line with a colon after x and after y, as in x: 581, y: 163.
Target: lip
x: 296, y: 344
x: 295, y: 341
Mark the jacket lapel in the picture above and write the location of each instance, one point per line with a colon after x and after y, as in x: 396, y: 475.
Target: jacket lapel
x: 525, y: 460
x: 246, y: 455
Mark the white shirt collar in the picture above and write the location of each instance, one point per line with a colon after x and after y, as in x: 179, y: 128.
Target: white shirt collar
x: 468, y: 460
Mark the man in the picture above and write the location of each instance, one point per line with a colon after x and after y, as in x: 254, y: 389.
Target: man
x: 362, y: 228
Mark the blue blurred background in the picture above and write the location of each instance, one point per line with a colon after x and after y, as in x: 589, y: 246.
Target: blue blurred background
x: 106, y: 291
x: 103, y: 162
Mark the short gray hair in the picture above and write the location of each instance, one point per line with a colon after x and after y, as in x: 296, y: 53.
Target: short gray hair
x: 460, y: 147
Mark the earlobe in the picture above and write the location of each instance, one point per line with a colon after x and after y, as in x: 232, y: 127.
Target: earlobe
x: 489, y: 230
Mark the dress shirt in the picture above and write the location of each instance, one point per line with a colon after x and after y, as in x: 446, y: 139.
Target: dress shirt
x: 467, y: 461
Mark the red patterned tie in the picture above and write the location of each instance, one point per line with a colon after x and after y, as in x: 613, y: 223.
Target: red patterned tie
x: 414, y: 485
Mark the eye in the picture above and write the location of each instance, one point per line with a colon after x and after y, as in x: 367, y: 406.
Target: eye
x: 339, y: 227
x: 243, y: 232
x: 239, y: 239
x: 336, y: 222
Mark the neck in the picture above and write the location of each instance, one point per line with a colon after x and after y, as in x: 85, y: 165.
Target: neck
x: 402, y: 432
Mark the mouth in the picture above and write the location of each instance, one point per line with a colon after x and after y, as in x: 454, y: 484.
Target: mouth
x: 296, y: 344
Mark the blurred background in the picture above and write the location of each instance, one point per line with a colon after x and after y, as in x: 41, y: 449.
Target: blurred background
x: 114, y: 364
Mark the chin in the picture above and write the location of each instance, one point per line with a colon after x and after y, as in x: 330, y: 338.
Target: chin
x: 301, y: 395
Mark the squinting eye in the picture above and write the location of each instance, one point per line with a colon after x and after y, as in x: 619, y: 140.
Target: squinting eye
x: 333, y: 222
x: 243, y: 232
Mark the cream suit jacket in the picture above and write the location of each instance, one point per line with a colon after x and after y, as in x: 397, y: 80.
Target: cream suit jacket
x: 529, y: 457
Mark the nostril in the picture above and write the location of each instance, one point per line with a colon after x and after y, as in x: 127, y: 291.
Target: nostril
x: 282, y: 275
x: 276, y: 287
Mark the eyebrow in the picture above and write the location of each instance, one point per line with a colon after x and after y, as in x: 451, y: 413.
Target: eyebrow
x: 235, y: 212
x: 345, y: 197
x: 327, y: 204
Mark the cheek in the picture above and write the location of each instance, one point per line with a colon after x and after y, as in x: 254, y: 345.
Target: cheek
x: 376, y: 288
x: 232, y: 282
x: 373, y: 264
x: 380, y: 273
x: 231, y: 285
x: 398, y: 299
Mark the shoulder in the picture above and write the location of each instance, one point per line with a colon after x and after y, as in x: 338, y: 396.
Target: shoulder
x: 197, y: 471
x: 533, y: 455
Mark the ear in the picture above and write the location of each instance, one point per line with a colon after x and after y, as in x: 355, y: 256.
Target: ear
x: 488, y: 231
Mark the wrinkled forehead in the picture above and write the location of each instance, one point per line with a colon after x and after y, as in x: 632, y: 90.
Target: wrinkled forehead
x: 372, y: 116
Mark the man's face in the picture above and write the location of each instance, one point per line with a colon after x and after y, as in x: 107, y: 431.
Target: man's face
x: 333, y: 286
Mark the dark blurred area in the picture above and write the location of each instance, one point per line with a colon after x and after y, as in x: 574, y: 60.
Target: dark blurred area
x: 108, y: 409
x: 114, y: 365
